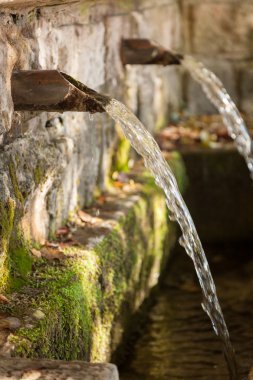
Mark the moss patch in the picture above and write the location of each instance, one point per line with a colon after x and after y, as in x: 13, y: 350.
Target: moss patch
x: 39, y: 173
x: 121, y: 155
x: 87, y: 298
x: 14, y: 180
x: 20, y: 264
x: 7, y: 213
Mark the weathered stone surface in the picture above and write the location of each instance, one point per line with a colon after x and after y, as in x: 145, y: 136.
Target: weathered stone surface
x: 219, y: 30
x: 219, y: 195
x: 246, y: 88
x: 223, y: 28
x: 24, y: 369
x: 162, y: 24
x: 88, y: 290
x: 41, y: 39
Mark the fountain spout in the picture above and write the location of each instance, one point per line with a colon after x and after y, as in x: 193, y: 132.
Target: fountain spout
x: 53, y: 90
x: 145, y: 52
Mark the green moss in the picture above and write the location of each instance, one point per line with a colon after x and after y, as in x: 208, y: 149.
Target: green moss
x: 177, y: 165
x: 20, y: 264
x: 86, y: 295
x: 15, y: 261
x: 161, y: 122
x: 68, y: 295
x: 7, y: 213
x: 82, y: 297
x: 38, y: 174
x: 14, y: 180
x: 121, y: 158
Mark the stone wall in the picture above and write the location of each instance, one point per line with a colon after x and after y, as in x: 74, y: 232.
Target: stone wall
x: 219, y: 33
x: 55, y: 166
x: 50, y: 163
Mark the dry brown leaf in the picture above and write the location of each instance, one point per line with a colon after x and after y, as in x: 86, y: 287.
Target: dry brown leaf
x: 86, y: 218
x: 36, y: 253
x: 4, y: 299
x: 52, y: 244
x: 52, y: 253
x: 63, y: 231
x: 101, y: 199
x: 70, y: 243
x: 118, y: 184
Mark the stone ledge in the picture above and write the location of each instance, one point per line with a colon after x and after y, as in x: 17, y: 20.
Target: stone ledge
x: 75, y: 305
x: 120, y: 8
x: 220, y: 194
x: 25, y: 369
x: 17, y: 4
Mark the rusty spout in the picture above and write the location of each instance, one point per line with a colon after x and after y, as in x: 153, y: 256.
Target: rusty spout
x: 52, y: 90
x: 145, y: 52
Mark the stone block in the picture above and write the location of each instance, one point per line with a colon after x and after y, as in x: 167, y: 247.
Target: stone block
x: 25, y: 369
x: 219, y: 28
x: 246, y: 89
x: 161, y: 24
x: 219, y: 195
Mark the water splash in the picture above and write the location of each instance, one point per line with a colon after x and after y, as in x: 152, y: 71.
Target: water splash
x: 146, y: 146
x: 218, y: 95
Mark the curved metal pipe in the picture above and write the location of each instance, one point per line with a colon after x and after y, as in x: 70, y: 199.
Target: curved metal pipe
x: 137, y: 51
x: 53, y: 90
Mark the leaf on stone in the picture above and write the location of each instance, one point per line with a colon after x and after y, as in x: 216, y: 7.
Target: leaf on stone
x: 63, y: 231
x: 101, y: 199
x: 52, y: 244
x: 4, y: 299
x: 52, y: 253
x: 86, y: 218
x: 70, y: 243
x: 35, y: 252
x: 118, y: 184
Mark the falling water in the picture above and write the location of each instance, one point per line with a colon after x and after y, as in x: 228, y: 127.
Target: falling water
x: 146, y: 146
x: 218, y: 95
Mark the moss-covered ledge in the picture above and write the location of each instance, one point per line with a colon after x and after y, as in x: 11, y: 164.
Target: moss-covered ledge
x: 75, y: 304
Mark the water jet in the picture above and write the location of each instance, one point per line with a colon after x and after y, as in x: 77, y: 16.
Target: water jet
x: 146, y: 52
x: 56, y: 91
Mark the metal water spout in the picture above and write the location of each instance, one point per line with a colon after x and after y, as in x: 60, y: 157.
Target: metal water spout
x: 53, y: 90
x: 137, y: 51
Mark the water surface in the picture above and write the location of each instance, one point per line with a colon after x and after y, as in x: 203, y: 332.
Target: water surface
x: 177, y: 341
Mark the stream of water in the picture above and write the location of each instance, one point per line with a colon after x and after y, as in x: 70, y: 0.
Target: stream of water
x: 217, y: 94
x: 146, y: 146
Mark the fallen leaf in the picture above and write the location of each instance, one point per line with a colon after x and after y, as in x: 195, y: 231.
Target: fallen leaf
x: 101, y: 199
x: 71, y: 243
x: 62, y: 231
x: 52, y: 244
x: 4, y: 299
x: 52, y: 254
x: 36, y: 253
x: 86, y: 218
x: 118, y: 184
x: 11, y: 323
